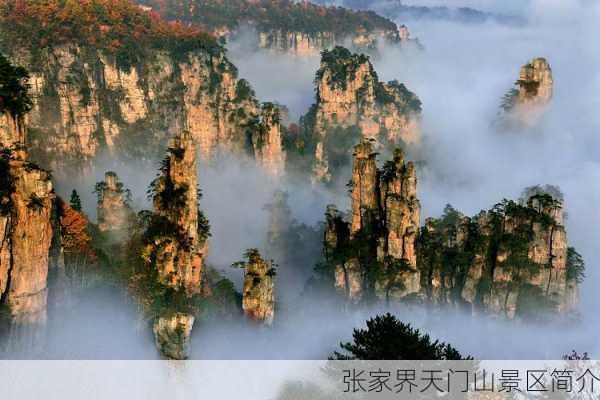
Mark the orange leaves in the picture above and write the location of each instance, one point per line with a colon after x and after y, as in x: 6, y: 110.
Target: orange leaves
x: 109, y: 24
x: 75, y: 238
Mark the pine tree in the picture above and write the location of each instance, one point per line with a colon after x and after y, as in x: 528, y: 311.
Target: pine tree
x: 75, y: 201
x: 387, y: 338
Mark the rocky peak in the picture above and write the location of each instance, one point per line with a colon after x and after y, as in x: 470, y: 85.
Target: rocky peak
x: 352, y: 103
x: 26, y: 204
x: 364, y: 188
x: 181, y: 249
x: 113, y: 207
x: 177, y: 244
x: 375, y: 253
x: 514, y: 258
x: 532, y: 93
x: 258, y: 293
x: 267, y: 140
x: 535, y: 82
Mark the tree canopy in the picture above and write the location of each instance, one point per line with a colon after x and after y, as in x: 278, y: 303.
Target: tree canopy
x: 387, y: 338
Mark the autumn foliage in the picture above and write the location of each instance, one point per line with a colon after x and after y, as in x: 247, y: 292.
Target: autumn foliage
x: 111, y: 25
x: 75, y: 239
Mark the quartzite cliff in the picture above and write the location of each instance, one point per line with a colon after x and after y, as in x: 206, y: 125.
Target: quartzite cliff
x: 26, y: 206
x: 352, y: 103
x: 126, y: 92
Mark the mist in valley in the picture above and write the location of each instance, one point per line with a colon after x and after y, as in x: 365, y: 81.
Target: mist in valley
x: 464, y: 160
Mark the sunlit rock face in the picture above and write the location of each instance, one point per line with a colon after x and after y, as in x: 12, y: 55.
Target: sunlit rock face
x: 526, y: 103
x: 93, y: 97
x: 512, y: 260
x: 375, y: 253
x: 180, y: 250
x: 178, y: 244
x: 172, y: 335
x: 26, y: 198
x: 258, y: 300
x: 352, y: 103
x: 113, y: 208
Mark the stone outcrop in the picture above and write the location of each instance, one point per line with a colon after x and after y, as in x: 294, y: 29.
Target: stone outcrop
x: 93, y: 96
x: 180, y: 249
x: 178, y: 245
x: 258, y: 293
x: 113, y: 210
x: 351, y: 103
x: 172, y: 335
x: 267, y: 141
x: 312, y: 43
x: 374, y: 253
x: 26, y: 197
x: 298, y: 28
x: 512, y: 260
x: 532, y: 93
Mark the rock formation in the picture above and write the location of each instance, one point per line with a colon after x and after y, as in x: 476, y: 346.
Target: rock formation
x: 298, y: 28
x: 374, y: 253
x: 353, y: 103
x: 26, y: 197
x: 527, y: 101
x: 113, y: 208
x: 267, y: 141
x: 512, y: 260
x: 258, y: 300
x: 178, y: 237
x: 181, y: 248
x: 172, y: 335
x: 125, y: 96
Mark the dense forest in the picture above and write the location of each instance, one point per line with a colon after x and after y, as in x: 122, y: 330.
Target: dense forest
x: 270, y: 15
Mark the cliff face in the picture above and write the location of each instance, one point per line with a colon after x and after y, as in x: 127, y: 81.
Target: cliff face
x: 258, y: 300
x: 126, y: 93
x: 181, y: 248
x: 302, y: 43
x: 299, y: 28
x: 351, y: 103
x: 267, y: 140
x: 512, y: 260
x: 532, y: 93
x: 26, y: 197
x: 177, y: 247
x: 172, y: 335
x: 113, y: 208
x: 374, y: 254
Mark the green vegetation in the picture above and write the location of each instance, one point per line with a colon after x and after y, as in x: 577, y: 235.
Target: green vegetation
x: 14, y: 83
x: 75, y: 201
x: 341, y: 65
x: 387, y: 338
x: 575, y: 266
x: 118, y: 27
x: 267, y: 15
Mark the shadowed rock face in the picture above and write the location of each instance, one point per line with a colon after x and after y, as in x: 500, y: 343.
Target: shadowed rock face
x: 26, y: 198
x: 376, y: 251
x: 353, y: 103
x: 511, y: 260
x: 267, y: 141
x: 113, y: 209
x: 258, y: 300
